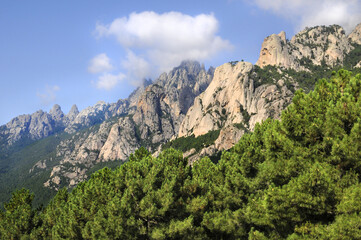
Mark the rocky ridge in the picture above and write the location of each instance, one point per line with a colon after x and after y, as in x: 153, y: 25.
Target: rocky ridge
x: 187, y: 101
x: 355, y: 35
x: 233, y: 103
x: 33, y: 126
x: 326, y: 45
x: 155, y: 119
x: 235, y: 100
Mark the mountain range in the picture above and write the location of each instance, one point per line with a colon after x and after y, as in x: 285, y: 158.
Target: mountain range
x: 200, y: 111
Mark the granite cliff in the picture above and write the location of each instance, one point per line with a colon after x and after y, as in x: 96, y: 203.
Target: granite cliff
x: 241, y: 94
x: 154, y: 119
x: 322, y: 45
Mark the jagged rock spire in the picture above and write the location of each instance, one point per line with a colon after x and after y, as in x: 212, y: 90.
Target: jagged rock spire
x: 73, y: 113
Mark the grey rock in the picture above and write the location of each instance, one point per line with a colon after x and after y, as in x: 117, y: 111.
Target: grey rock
x: 72, y: 113
x: 56, y: 113
x: 135, y: 95
x: 232, y: 104
x: 355, y: 35
x: 320, y: 44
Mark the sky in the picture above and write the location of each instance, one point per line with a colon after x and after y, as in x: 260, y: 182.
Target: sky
x: 81, y: 52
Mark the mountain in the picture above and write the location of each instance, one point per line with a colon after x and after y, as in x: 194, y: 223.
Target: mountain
x: 83, y: 141
x: 241, y: 94
x: 154, y: 120
x: 202, y: 112
x: 319, y: 45
x: 234, y: 102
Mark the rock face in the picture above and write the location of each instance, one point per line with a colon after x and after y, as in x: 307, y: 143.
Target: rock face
x: 73, y: 113
x: 42, y: 124
x: 275, y: 51
x: 98, y: 113
x: 322, y: 45
x: 121, y: 141
x: 159, y: 111
x: 32, y: 127
x: 135, y: 95
x: 78, y: 154
x: 56, y: 113
x: 355, y: 35
x: 233, y: 103
x: 154, y: 119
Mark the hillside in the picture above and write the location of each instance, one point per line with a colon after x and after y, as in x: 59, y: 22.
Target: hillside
x: 201, y: 112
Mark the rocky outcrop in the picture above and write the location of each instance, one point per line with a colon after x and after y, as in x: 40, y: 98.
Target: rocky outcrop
x: 72, y: 113
x: 98, y: 113
x: 275, y: 51
x: 233, y: 103
x: 135, y: 95
x: 42, y: 124
x: 154, y: 119
x: 77, y: 155
x: 56, y: 113
x: 321, y: 44
x: 358, y: 65
x: 159, y: 111
x: 326, y: 45
x: 31, y: 127
x: 355, y: 35
x: 121, y: 141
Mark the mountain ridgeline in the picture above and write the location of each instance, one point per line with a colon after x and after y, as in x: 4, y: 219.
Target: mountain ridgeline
x: 202, y: 112
x: 74, y: 145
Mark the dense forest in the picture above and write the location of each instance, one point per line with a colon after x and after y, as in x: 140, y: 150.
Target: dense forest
x: 294, y: 178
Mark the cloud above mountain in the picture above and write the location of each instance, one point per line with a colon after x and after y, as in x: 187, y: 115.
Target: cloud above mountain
x: 162, y: 41
x: 316, y: 12
x: 100, y: 63
x: 108, y: 81
x: 137, y: 68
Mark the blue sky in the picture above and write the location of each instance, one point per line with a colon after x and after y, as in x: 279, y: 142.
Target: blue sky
x: 80, y: 52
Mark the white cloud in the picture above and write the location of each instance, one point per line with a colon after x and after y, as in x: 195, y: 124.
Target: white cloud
x: 100, y: 63
x: 108, y: 81
x: 49, y: 95
x: 138, y: 68
x: 164, y: 40
x: 316, y: 12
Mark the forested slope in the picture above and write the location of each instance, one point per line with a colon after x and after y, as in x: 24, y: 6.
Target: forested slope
x: 296, y: 178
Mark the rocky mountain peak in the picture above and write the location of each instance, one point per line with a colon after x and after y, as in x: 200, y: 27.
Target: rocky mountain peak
x: 232, y: 104
x: 134, y: 96
x: 224, y: 95
x: 74, y: 111
x: 275, y: 51
x: 56, y: 113
x: 321, y: 44
x: 355, y: 35
x: 282, y: 35
x: 159, y: 111
x: 100, y: 103
x: 191, y: 66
